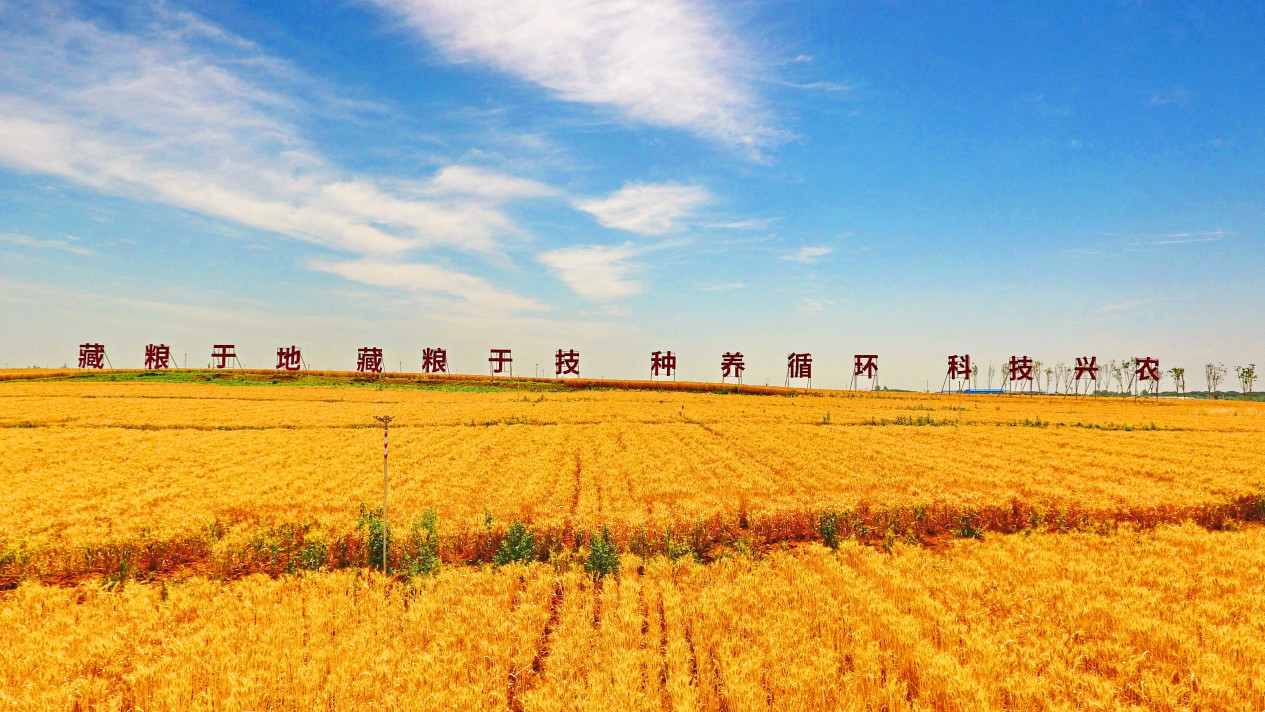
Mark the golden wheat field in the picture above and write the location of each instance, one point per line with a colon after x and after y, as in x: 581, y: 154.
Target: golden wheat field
x: 89, y: 463
x: 213, y: 546
x: 1172, y: 619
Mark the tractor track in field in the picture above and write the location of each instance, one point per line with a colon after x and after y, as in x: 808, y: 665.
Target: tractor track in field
x: 520, y: 685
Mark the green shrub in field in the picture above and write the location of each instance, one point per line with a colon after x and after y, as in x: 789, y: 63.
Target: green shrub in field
x: 603, y: 555
x: 829, y: 529
x: 313, y: 555
x: 966, y: 529
x: 118, y: 578
x: 422, y: 552
x: 678, y: 547
x: 519, y: 546
x: 379, y: 533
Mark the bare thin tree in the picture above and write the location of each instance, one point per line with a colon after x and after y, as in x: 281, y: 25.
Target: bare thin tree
x: 1130, y: 369
x: 1214, y: 372
x: 1247, y: 377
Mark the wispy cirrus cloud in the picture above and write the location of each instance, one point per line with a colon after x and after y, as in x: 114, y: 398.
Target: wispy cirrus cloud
x: 747, y: 224
x: 483, y: 183
x: 647, y: 208
x: 428, y: 279
x: 1081, y: 252
x: 68, y: 245
x: 814, y: 306
x: 1176, y: 96
x: 1187, y: 238
x: 670, y: 63
x: 178, y: 111
x: 820, y: 86
x: 1123, y: 306
x: 723, y: 287
x: 808, y: 253
x: 1147, y: 242
x: 597, y: 272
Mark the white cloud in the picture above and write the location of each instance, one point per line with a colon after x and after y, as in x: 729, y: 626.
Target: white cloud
x: 1081, y: 252
x: 480, y: 182
x: 814, y: 306
x: 663, y: 62
x: 808, y: 253
x: 820, y: 86
x: 185, y: 114
x: 597, y: 272
x: 1144, y: 242
x: 1186, y: 238
x: 748, y: 224
x: 1123, y: 306
x: 27, y: 241
x: 69, y: 300
x: 1177, y: 96
x: 646, y: 208
x: 1047, y: 107
x: 429, y: 279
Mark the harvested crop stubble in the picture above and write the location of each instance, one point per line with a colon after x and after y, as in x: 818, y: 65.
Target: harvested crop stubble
x: 1168, y: 619
x: 89, y: 463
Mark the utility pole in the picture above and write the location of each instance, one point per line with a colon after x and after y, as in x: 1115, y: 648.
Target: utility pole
x: 386, y: 423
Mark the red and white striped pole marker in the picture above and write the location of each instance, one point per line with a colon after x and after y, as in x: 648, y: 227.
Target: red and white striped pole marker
x: 386, y: 422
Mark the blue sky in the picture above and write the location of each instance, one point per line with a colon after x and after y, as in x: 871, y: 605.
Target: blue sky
x: 910, y: 179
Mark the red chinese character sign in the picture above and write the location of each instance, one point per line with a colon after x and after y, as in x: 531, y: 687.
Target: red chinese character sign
x: 1020, y: 374
x: 799, y: 366
x: 92, y: 356
x: 498, y: 362
x: 566, y: 362
x: 662, y: 363
x: 369, y: 359
x: 157, y: 356
x: 289, y: 358
x: 1148, y: 369
x: 959, y: 372
x: 223, y: 354
x: 1087, y: 370
x: 865, y: 366
x: 731, y: 366
x: 436, y: 360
